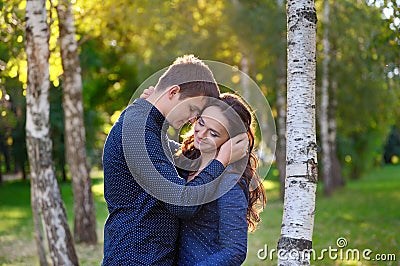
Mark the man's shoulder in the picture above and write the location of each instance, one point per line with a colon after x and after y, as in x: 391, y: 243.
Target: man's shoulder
x: 133, y: 113
x: 139, y: 110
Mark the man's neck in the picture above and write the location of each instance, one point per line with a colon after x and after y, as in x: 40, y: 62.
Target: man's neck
x: 155, y: 99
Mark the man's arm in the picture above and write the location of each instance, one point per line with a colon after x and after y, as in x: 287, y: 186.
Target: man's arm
x: 156, y: 174
x: 183, y: 199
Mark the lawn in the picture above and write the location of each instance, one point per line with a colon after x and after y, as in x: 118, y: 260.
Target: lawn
x: 363, y: 215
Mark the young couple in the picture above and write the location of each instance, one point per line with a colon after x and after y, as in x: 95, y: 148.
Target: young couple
x: 188, y: 204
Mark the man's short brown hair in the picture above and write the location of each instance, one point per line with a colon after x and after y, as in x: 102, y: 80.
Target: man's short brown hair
x: 192, y: 76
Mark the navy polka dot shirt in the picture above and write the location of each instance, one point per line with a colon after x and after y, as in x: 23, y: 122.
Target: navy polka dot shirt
x: 217, y: 234
x: 141, y: 229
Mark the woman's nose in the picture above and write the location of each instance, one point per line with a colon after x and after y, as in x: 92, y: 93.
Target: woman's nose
x: 200, y: 133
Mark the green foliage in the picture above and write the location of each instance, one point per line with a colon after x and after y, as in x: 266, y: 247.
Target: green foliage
x: 122, y: 43
x: 361, y: 152
x: 392, y: 147
x: 365, y: 99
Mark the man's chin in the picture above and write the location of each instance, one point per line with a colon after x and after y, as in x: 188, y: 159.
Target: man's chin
x: 177, y: 125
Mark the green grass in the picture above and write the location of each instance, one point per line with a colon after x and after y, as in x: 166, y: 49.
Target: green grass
x: 366, y: 212
x: 17, y: 246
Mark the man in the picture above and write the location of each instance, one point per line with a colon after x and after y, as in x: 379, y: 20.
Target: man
x: 144, y: 193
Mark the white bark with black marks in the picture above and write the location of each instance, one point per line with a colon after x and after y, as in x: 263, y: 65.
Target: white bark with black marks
x: 301, y: 148
x: 46, y: 197
x: 75, y: 139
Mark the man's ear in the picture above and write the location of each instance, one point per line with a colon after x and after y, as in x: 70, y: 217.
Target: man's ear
x: 173, y: 91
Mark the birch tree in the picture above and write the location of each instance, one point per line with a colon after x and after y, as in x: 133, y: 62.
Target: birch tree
x: 75, y: 140
x: 331, y: 167
x: 336, y: 167
x: 46, y: 198
x: 324, y: 120
x: 301, y: 148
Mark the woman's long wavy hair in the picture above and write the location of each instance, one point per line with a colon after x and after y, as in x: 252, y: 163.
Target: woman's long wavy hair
x: 257, y: 196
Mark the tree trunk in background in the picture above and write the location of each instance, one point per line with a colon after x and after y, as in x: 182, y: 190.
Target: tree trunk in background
x: 324, y: 120
x: 244, y: 67
x: 281, y: 120
x: 6, y: 153
x: 37, y: 225
x: 75, y: 140
x: 281, y: 150
x: 336, y: 167
x: 46, y: 199
x: 301, y: 149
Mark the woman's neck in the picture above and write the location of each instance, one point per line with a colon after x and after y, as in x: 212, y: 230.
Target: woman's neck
x: 205, y: 160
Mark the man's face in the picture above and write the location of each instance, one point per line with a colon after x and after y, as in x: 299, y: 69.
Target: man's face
x: 184, y: 110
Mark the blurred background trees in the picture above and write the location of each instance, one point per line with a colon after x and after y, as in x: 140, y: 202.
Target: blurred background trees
x: 122, y: 43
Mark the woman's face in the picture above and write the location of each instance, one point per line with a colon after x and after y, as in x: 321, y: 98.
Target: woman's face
x: 210, y: 130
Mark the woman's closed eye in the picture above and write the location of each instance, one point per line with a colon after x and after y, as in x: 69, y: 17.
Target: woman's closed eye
x: 200, y: 121
x: 214, y: 134
x: 211, y: 131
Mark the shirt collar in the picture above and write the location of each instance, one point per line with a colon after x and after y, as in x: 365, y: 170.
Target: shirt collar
x: 153, y: 112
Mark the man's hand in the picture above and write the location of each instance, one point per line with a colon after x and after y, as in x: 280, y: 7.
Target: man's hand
x: 234, y: 149
x: 147, y: 92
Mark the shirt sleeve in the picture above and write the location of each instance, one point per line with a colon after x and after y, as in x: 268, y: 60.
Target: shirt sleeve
x: 232, y: 208
x: 152, y: 167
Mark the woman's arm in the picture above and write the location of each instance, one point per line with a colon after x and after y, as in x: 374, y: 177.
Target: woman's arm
x: 232, y: 208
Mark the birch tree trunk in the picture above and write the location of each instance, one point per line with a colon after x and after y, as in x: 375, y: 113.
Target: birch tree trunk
x: 301, y: 148
x: 75, y: 140
x: 37, y: 225
x: 324, y: 120
x: 46, y: 198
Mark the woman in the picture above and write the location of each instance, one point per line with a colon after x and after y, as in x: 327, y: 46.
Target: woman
x: 217, y: 234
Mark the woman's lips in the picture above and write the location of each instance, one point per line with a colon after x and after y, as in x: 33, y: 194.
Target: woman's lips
x: 197, y: 140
